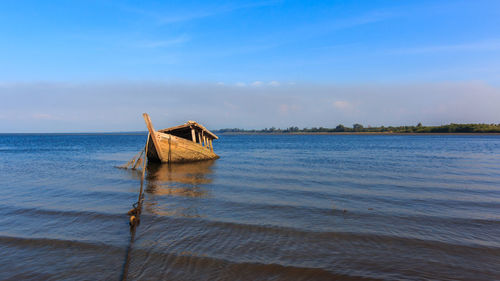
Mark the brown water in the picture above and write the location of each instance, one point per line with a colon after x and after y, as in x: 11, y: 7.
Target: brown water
x: 271, y: 208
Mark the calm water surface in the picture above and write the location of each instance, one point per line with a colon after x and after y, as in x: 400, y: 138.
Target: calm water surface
x: 271, y: 208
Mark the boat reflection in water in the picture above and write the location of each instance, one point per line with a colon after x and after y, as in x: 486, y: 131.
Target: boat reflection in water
x: 165, y: 182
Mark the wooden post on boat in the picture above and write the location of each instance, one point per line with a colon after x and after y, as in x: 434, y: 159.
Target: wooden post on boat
x: 211, y: 147
x: 193, y: 134
x: 199, y: 137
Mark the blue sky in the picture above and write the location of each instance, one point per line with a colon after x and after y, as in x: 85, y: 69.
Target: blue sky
x: 285, y: 53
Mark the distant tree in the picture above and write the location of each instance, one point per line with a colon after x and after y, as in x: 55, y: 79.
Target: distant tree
x: 419, y: 125
x: 340, y: 128
x: 357, y: 127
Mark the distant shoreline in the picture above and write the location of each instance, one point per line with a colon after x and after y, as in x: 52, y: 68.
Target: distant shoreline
x: 357, y: 133
x: 453, y: 128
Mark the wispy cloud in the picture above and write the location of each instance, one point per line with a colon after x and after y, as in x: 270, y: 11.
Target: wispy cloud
x: 45, y: 116
x: 317, y: 29
x: 487, y: 45
x: 163, y: 17
x: 213, y: 11
x: 287, y: 108
x: 256, y: 84
x: 186, y: 16
x: 164, y: 43
x: 238, y: 50
x: 371, y: 17
x: 336, y: 24
x: 341, y: 104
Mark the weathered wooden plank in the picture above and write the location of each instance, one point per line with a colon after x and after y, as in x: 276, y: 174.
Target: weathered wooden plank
x: 182, y: 150
x: 153, y: 134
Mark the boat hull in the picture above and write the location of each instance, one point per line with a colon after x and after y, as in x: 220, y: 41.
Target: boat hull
x: 173, y: 149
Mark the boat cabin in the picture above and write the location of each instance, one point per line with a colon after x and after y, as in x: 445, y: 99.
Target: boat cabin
x: 194, y: 132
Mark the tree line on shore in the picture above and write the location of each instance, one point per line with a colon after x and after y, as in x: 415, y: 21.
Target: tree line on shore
x: 450, y: 128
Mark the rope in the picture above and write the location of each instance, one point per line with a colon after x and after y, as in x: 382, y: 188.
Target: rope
x: 135, y: 213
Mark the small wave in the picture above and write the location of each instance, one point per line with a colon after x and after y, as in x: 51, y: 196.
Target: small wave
x: 11, y: 210
x: 56, y: 243
x: 190, y: 266
x: 227, y: 228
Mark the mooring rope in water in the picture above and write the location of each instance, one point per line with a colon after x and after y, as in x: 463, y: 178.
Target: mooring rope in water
x: 127, y: 257
x: 135, y: 212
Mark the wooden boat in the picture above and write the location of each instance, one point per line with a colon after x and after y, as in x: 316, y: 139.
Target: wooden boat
x: 184, y: 143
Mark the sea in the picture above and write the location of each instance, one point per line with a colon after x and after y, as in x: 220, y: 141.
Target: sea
x: 272, y: 207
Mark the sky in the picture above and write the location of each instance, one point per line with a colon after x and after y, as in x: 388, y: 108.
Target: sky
x: 92, y: 66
